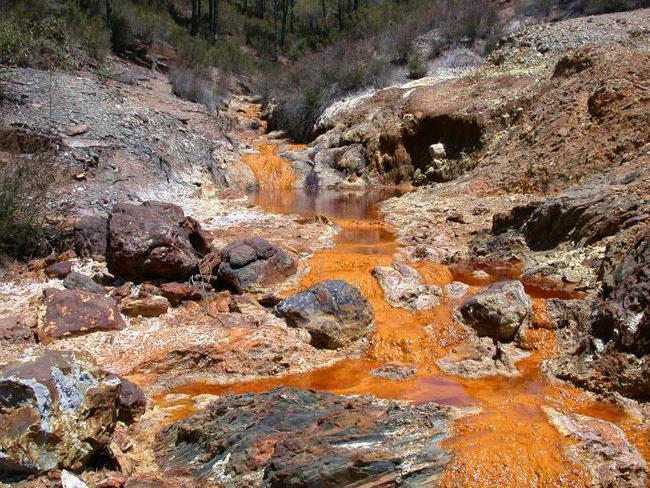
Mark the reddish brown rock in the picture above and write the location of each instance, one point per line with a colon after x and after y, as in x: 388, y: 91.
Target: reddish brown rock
x: 59, y: 270
x: 38, y: 264
x: 122, y: 291
x: 150, y: 306
x: 133, y: 402
x: 14, y: 331
x: 73, y: 312
x: 178, y: 292
x: 153, y: 240
x: 90, y: 236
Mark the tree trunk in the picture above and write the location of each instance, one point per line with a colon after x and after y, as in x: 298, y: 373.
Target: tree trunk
x: 261, y: 7
x: 276, y: 12
x: 109, y: 20
x: 291, y: 17
x: 340, y: 14
x: 214, y: 20
x: 194, y: 26
x: 285, y: 13
x: 322, y: 4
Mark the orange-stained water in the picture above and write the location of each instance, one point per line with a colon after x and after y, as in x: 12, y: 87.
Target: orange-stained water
x: 510, y: 442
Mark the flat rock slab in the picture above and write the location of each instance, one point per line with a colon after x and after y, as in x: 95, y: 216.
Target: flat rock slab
x: 293, y: 438
x: 482, y: 357
x: 403, y: 287
x: 74, y: 312
x: 603, y: 448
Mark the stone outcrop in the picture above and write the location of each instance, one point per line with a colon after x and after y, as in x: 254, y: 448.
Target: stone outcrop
x: 133, y: 402
x: 289, y: 437
x: 154, y: 240
x: 14, y: 331
x: 583, y: 216
x: 333, y: 312
x: 403, y: 287
x: 73, y: 312
x: 56, y: 410
x: 498, y: 311
x: 176, y: 293
x: 253, y: 264
x: 612, y: 350
x: 59, y: 270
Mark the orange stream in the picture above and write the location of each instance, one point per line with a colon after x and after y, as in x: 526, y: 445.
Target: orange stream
x: 510, y: 443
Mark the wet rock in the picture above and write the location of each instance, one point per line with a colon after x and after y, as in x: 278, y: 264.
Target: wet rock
x: 57, y: 409
x: 59, y: 270
x: 253, y: 264
x: 153, y: 240
x: 333, y: 312
x: 176, y: 293
x: 74, y: 312
x: 289, y: 437
x: 602, y: 448
x: 14, y: 331
x: 90, y: 236
x: 403, y: 287
x: 396, y: 371
x: 482, y: 357
x: 498, y: 311
x: 149, y: 306
x: 456, y: 289
x: 78, y: 281
x: 133, y: 402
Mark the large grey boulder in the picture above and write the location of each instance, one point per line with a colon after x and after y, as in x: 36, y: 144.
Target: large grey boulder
x: 498, y: 311
x: 57, y: 409
x: 254, y: 264
x: 333, y: 312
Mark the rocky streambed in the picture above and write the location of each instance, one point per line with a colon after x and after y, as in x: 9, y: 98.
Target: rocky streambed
x: 303, y: 336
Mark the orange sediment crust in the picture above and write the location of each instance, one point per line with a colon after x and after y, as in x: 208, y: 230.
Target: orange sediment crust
x: 270, y: 170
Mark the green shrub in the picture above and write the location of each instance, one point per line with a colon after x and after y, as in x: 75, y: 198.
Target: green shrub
x: 24, y: 185
x: 194, y: 86
x: 416, y: 67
